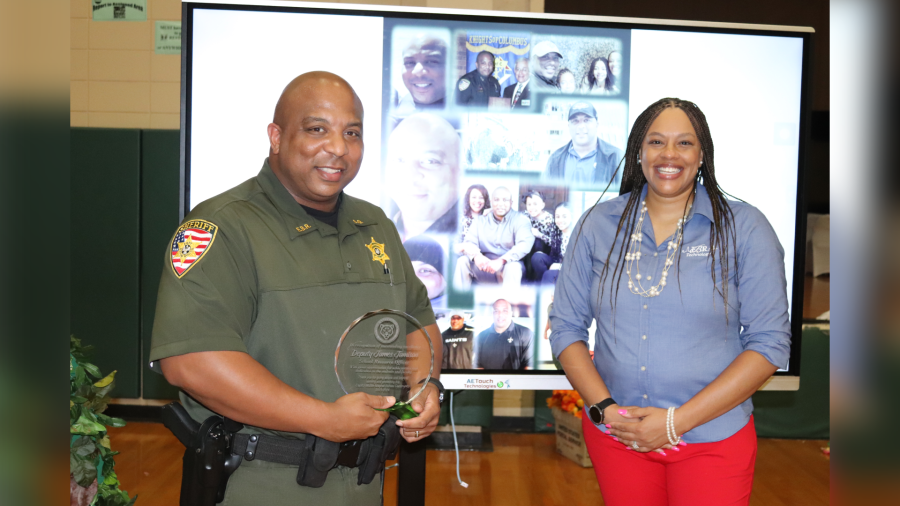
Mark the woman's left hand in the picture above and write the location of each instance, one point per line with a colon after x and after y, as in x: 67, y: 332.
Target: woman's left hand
x: 649, y: 431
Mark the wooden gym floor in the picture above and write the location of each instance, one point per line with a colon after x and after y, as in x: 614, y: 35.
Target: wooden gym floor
x: 523, y: 469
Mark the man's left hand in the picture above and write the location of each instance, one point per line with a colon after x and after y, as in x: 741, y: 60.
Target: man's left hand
x: 429, y: 412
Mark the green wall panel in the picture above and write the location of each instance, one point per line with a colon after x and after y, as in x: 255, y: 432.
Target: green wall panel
x: 802, y: 414
x: 105, y: 250
x: 470, y: 407
x: 160, y: 169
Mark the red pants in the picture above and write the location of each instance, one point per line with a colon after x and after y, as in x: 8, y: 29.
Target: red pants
x: 715, y: 474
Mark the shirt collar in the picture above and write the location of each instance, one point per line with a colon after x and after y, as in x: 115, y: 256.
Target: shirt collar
x: 579, y: 157
x: 701, y: 205
x: 298, y: 221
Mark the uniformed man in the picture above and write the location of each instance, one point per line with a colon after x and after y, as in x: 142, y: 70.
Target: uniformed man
x: 457, y: 344
x: 475, y: 88
x: 505, y: 345
x: 249, y: 315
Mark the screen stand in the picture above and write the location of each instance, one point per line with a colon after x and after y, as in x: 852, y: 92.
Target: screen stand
x: 411, y: 480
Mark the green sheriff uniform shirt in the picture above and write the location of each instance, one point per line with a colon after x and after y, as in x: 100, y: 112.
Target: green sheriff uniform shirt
x: 249, y: 270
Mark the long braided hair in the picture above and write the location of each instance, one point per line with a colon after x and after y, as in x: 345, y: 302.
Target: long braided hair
x: 721, y: 231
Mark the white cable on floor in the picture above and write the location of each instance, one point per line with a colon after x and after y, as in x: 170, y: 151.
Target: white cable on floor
x: 455, y: 443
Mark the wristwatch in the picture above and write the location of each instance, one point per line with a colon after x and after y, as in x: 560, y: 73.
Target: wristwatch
x: 440, y: 388
x: 596, y: 411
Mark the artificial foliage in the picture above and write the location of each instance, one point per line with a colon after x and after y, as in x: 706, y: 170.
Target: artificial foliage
x: 90, y: 455
x: 568, y: 401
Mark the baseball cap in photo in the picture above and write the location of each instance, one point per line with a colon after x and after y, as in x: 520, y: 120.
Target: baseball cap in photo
x: 582, y: 108
x: 544, y: 47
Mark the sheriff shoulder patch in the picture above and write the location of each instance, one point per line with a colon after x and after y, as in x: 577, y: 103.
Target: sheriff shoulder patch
x: 464, y: 84
x: 192, y: 240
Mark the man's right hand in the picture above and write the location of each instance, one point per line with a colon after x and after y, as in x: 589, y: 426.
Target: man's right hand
x: 483, y: 263
x: 354, y: 416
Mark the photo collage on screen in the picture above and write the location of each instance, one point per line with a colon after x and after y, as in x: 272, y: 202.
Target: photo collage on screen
x: 496, y: 142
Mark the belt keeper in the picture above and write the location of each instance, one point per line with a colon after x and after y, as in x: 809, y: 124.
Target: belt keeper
x: 250, y: 454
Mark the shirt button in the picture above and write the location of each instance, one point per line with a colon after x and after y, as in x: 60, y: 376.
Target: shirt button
x: 655, y: 253
x: 645, y: 306
x: 348, y: 266
x: 644, y: 337
x: 643, y: 368
x: 645, y: 396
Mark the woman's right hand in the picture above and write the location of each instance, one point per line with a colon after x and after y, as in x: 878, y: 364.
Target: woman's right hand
x: 612, y: 415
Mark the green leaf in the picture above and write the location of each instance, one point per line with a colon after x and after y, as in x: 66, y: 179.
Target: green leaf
x: 77, y: 399
x: 105, y: 381
x: 83, y: 446
x: 83, y: 471
x: 110, y: 421
x: 92, y: 369
x: 105, y: 442
x: 86, y: 426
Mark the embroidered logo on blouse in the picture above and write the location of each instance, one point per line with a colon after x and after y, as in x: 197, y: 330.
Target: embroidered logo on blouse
x: 378, y: 253
x: 701, y: 250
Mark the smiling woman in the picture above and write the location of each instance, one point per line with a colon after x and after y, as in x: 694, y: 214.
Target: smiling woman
x: 693, y: 382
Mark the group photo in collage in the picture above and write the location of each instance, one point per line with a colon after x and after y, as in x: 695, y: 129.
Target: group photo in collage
x: 496, y: 142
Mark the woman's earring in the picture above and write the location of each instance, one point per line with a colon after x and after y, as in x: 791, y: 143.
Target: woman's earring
x: 639, y: 160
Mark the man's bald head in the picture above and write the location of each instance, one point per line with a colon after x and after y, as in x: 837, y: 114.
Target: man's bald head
x: 304, y: 86
x: 315, y: 138
x: 423, y: 167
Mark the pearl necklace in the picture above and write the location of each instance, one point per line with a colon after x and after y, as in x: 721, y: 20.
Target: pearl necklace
x: 633, y: 256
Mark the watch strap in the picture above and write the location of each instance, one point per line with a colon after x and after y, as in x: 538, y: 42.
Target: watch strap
x: 602, y: 405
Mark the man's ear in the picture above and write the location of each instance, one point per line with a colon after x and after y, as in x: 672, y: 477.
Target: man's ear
x: 274, y: 132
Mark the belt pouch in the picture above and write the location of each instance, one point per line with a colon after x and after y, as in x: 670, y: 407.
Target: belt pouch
x: 319, y: 457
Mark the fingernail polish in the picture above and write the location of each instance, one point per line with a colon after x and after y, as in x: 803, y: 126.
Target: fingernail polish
x: 608, y: 426
x: 676, y: 448
x: 615, y: 438
x: 606, y: 432
x: 662, y: 453
x: 628, y: 448
x: 682, y: 443
x: 623, y: 412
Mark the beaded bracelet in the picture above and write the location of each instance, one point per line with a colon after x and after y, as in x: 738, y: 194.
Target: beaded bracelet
x: 674, y: 439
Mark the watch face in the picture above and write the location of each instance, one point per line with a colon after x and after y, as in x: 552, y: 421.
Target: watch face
x: 596, y: 414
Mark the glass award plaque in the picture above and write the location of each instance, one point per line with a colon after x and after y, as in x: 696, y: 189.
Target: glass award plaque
x: 385, y: 352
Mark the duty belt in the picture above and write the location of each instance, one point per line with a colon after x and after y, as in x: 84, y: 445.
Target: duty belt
x: 288, y: 451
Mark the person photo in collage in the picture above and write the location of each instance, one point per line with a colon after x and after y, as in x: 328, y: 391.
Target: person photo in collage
x: 419, y: 71
x: 505, y: 336
x: 586, y: 160
x: 494, y: 245
x: 458, y: 337
x: 495, y: 142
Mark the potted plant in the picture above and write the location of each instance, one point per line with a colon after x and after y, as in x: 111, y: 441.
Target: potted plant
x: 93, y: 478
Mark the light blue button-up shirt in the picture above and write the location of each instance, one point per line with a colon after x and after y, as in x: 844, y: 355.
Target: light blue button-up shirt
x: 661, y: 351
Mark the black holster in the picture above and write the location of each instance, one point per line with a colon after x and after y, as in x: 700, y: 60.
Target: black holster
x: 369, y: 455
x: 207, y: 463
x: 378, y: 449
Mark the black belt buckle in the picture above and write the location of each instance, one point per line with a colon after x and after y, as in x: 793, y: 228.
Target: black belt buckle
x: 348, y: 455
